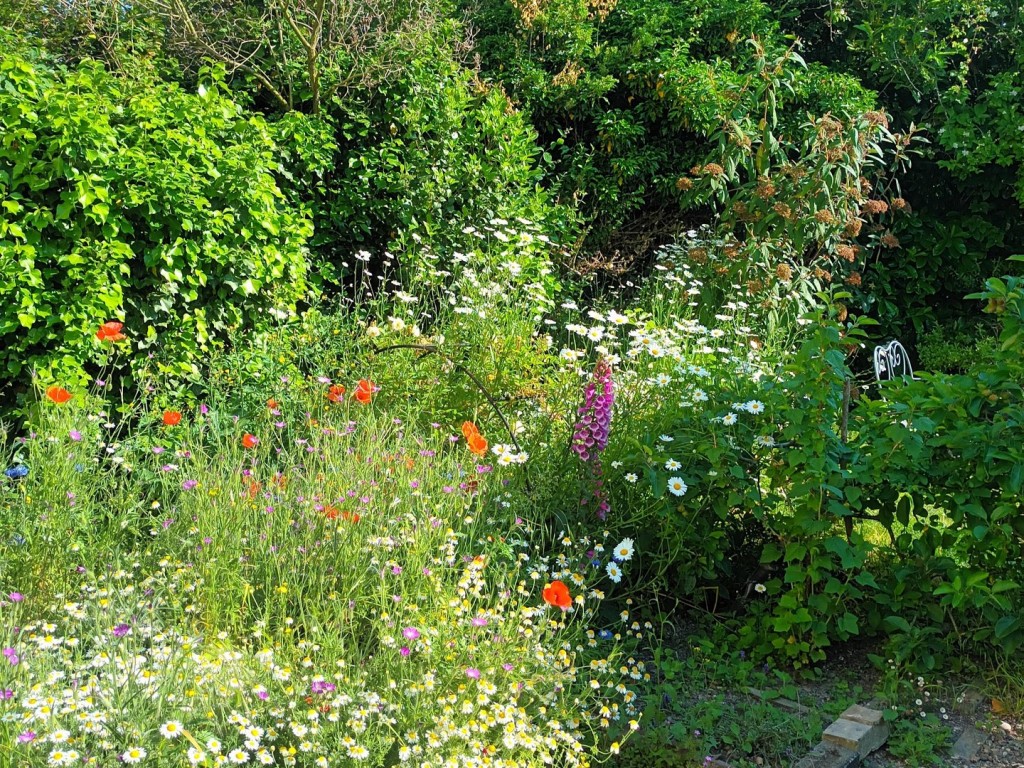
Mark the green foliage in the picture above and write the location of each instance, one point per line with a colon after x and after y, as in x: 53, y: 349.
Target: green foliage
x: 951, y: 69
x: 134, y: 200
x: 701, y: 704
x: 426, y: 173
x: 955, y: 349
x: 628, y: 96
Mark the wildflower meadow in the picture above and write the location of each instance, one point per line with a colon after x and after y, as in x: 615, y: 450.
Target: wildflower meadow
x: 505, y: 384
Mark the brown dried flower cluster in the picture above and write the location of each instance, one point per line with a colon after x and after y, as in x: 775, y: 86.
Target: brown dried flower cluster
x: 846, y: 252
x: 877, y: 117
x: 765, y: 188
x: 874, y: 207
x: 889, y: 240
x: 784, y: 272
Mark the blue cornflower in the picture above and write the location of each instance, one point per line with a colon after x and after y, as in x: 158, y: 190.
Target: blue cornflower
x: 16, y: 472
x: 605, y: 634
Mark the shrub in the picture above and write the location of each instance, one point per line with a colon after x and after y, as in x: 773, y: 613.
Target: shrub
x: 136, y: 201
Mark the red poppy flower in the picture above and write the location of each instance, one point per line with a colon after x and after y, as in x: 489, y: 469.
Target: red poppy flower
x: 364, y: 392
x: 272, y: 404
x: 352, y: 517
x: 253, y: 488
x: 336, y: 393
x: 331, y: 513
x: 111, y: 331
x: 477, y: 444
x: 58, y: 395
x: 172, y: 418
x: 469, y: 429
x: 557, y: 594
x: 250, y: 441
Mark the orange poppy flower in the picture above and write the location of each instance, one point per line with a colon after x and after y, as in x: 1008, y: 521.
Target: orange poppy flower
x: 352, y: 517
x: 253, y: 488
x: 280, y: 480
x: 172, y: 418
x: 272, y: 404
x: 364, y: 392
x: 331, y: 513
x: 336, y: 393
x: 469, y: 429
x: 58, y: 395
x: 557, y: 594
x: 111, y: 331
x: 250, y: 441
x: 477, y: 444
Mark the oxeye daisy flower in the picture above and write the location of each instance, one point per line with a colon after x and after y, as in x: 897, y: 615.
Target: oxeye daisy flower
x: 623, y: 550
x: 134, y: 755
x: 171, y: 729
x: 631, y: 477
x: 672, y: 464
x: 676, y: 486
x: 729, y: 419
x: 614, y: 572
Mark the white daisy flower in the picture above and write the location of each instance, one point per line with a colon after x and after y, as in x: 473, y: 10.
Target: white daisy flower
x: 677, y: 487
x: 631, y: 477
x: 672, y: 465
x: 623, y: 550
x: 134, y: 755
x: 729, y: 419
x: 614, y: 572
x: 171, y: 729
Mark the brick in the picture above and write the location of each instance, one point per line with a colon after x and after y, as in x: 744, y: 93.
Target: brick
x: 827, y: 755
x: 858, y: 737
x: 864, y: 715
